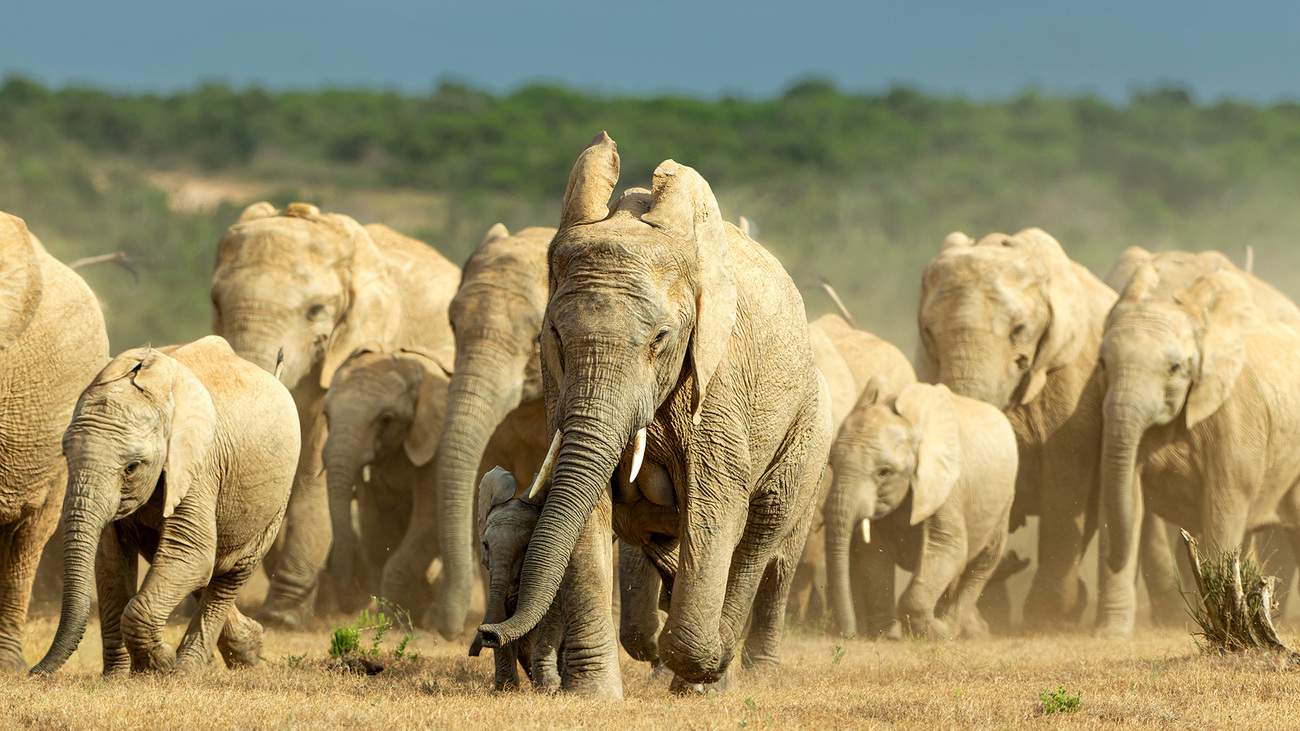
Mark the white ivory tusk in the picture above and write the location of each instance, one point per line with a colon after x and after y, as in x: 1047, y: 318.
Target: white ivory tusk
x: 365, y: 473
x: 639, y: 455
x: 548, y: 464
x: 866, y: 530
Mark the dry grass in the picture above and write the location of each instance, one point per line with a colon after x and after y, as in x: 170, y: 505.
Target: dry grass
x: 1159, y: 680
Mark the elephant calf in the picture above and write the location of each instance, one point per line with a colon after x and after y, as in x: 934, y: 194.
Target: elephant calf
x: 186, y: 455
x: 932, y: 475
x: 385, y: 411
x: 506, y: 519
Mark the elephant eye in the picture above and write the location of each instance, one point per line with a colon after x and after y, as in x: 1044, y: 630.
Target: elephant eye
x: 131, y: 467
x: 659, y: 338
x: 1017, y: 332
x: 1175, y: 368
x: 315, y: 311
x: 883, y: 472
x: 1022, y: 362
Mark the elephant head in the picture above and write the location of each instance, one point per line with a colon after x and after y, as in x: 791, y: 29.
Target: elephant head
x: 309, y: 283
x: 997, y: 315
x: 642, y: 300
x: 496, y: 316
x: 885, y: 454
x: 143, y: 433
x: 378, y: 403
x: 506, y: 520
x: 21, y: 280
x: 1168, y: 350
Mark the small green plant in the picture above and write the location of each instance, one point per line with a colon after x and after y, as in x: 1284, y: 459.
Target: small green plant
x: 294, y: 661
x: 346, y: 640
x: 837, y: 654
x: 750, y: 704
x: 1058, y: 701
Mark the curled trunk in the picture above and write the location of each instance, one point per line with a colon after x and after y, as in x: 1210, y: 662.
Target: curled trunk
x: 80, y: 543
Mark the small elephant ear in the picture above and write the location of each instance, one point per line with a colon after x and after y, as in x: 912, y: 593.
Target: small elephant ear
x: 1223, y: 304
x: 1065, y: 334
x: 373, y: 310
x: 261, y: 209
x: 425, y: 435
x: 497, y: 487
x: 1141, y: 283
x: 684, y: 205
x: 956, y: 239
x: 591, y: 183
x: 21, y: 280
x: 498, y: 231
x: 193, y: 427
x: 930, y: 411
x: 1125, y: 266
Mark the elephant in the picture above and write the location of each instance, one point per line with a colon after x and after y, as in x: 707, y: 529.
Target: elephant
x: 506, y: 520
x: 687, y: 414
x: 495, y: 414
x: 848, y: 358
x: 1012, y: 321
x: 930, y: 477
x: 314, y: 287
x: 1200, y: 410
x: 52, y: 342
x: 184, y: 455
x: 384, y: 411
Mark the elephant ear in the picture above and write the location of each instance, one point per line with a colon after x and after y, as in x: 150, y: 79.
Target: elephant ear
x: 258, y: 210
x: 1141, y: 283
x: 193, y: 427
x: 373, y: 310
x: 498, y: 231
x: 1125, y: 266
x: 1222, y: 302
x: 496, y: 488
x: 591, y: 183
x: 684, y: 204
x: 21, y: 280
x: 930, y: 411
x: 430, y: 405
x: 956, y: 239
x: 1064, y: 337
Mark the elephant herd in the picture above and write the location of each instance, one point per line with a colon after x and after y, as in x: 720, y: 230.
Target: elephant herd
x: 642, y: 385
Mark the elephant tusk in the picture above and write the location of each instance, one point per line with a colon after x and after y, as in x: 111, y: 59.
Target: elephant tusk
x: 866, y: 530
x: 547, y: 465
x: 365, y: 474
x: 639, y: 455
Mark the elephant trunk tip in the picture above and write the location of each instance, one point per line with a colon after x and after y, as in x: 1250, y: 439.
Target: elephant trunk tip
x: 476, y: 646
x: 496, y: 636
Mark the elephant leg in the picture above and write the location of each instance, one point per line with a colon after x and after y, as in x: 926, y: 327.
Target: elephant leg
x: 1286, y: 565
x: 1117, y: 590
x: 1160, y: 573
x: 305, y: 543
x: 116, y: 562
x: 964, y: 613
x: 546, y: 651
x: 639, y: 586
x: 216, y: 602
x: 1057, y: 592
x: 586, y: 605
x: 872, y: 569
x: 803, y: 588
x: 21, y: 544
x: 943, y: 556
x: 240, y: 643
x: 767, y: 619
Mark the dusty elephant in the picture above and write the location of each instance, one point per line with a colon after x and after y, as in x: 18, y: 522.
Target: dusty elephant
x: 848, y: 358
x: 316, y: 287
x: 52, y: 342
x: 495, y: 414
x: 929, y: 477
x: 384, y: 411
x: 184, y: 455
x: 1011, y: 320
x: 686, y: 410
x: 1201, y: 406
x: 506, y: 520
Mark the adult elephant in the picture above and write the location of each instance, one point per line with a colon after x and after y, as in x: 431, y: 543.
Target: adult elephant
x: 316, y: 286
x: 1201, y: 397
x: 1011, y: 320
x: 52, y: 343
x: 494, y: 416
x: 677, y: 371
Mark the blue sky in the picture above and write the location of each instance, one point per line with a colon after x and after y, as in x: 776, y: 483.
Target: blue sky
x: 1248, y: 49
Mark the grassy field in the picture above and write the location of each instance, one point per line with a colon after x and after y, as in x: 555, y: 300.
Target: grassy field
x: 1159, y: 680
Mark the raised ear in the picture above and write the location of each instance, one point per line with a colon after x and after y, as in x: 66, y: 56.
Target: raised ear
x: 1141, y: 283
x: 1223, y: 305
x: 684, y: 204
x: 21, y: 281
x: 1067, y: 328
x: 870, y: 394
x: 1125, y: 266
x: 497, y: 487
x: 193, y: 427
x: 930, y: 411
x: 955, y: 239
x: 373, y: 311
x: 591, y: 183
x: 258, y: 210
x: 430, y: 407
x: 498, y: 231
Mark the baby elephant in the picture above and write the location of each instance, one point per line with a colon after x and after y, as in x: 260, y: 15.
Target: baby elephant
x: 929, y: 481
x: 184, y: 455
x: 506, y: 520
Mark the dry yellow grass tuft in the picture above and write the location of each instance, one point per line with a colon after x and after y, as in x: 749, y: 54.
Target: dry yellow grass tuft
x: 1159, y: 680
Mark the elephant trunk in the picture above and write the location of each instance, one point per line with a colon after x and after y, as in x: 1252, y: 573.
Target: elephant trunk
x: 840, y: 517
x: 342, y: 468
x: 259, y: 337
x: 1121, y: 435
x: 84, y: 524
x: 506, y: 659
x: 483, y: 389
x: 969, y: 369
x: 594, y: 435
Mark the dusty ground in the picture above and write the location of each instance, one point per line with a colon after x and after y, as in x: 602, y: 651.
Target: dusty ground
x: 1159, y: 680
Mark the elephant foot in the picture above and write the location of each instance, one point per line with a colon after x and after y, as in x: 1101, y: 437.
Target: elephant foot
x: 160, y: 658
x: 189, y: 662
x: 284, y: 617
x: 973, y: 627
x: 685, y: 687
x: 1113, y: 630
x: 242, y: 647
x: 658, y: 669
x: 13, y: 662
